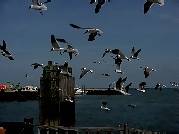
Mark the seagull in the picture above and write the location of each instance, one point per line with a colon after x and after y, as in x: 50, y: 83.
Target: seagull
x: 113, y: 51
x: 70, y: 50
x: 4, y: 49
x: 9, y: 56
x: 105, y: 74
x: 38, y: 5
x: 55, y: 43
x: 135, y: 53
x: 142, y: 87
x: 36, y: 65
x: 118, y: 62
x: 120, y: 83
x: 104, y: 106
x: 97, y: 62
x: 93, y: 32
x: 99, y: 4
x: 147, y: 71
x: 174, y: 84
x: 132, y: 105
x: 26, y: 75
x: 148, y: 4
x: 5, y: 52
x: 84, y: 71
x: 127, y: 87
x: 159, y: 86
x: 116, y: 52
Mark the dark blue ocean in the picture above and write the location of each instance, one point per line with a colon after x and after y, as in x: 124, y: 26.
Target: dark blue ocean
x: 155, y: 110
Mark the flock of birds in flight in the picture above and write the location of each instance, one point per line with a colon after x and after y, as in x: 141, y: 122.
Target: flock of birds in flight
x: 92, y: 32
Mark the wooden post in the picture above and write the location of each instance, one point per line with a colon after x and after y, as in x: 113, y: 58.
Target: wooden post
x: 56, y: 85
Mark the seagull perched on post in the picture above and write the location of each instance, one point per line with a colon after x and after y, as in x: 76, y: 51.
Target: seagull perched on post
x: 147, y: 71
x: 36, y: 65
x: 5, y: 52
x: 55, y: 43
x: 70, y: 50
x: 93, y: 32
x: 38, y: 5
x: 135, y: 53
x: 148, y: 4
x: 99, y: 4
x: 85, y: 71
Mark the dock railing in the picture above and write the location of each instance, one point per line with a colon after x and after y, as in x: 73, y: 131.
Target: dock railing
x: 122, y: 129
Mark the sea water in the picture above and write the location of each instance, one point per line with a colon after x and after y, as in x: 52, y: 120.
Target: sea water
x: 154, y: 110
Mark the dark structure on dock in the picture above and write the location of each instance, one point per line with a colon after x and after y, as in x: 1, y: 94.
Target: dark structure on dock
x: 57, y: 104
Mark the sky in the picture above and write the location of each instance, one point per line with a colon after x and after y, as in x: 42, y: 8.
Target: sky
x: 27, y: 34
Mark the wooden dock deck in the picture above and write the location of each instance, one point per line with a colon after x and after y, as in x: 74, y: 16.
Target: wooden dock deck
x: 122, y: 129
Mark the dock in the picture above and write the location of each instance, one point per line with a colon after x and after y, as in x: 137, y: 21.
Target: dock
x: 121, y: 129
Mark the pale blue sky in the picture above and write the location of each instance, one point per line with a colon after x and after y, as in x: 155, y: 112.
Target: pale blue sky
x: 27, y: 34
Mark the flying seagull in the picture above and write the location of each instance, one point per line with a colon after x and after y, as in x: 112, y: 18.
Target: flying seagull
x: 99, y: 4
x: 84, y: 71
x: 5, y: 52
x: 55, y: 43
x: 147, y: 71
x: 174, y: 84
x: 159, y: 86
x: 116, y: 52
x: 112, y: 51
x: 135, y: 53
x: 142, y: 87
x: 39, y: 6
x: 120, y: 83
x: 36, y: 65
x: 105, y: 74
x: 70, y: 50
x: 118, y: 62
x: 148, y: 4
x: 127, y: 87
x: 93, y: 32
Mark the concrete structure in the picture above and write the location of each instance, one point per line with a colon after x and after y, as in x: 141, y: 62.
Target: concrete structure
x: 57, y: 106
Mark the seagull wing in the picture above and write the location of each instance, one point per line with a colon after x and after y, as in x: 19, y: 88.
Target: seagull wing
x: 98, y: 7
x: 83, y: 73
x: 78, y: 27
x: 70, y: 54
x: 61, y: 40
x: 54, y: 42
x: 10, y: 57
x: 133, y: 51
x: 75, y: 26
x: 5, y: 49
x: 122, y: 55
x: 147, y: 6
x: 136, y: 53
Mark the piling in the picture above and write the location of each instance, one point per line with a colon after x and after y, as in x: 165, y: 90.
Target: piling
x: 57, y: 104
